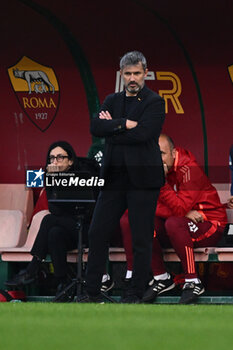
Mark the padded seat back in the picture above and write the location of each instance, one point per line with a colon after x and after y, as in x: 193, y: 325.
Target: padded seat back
x: 12, y: 229
x: 34, y: 228
x: 223, y: 191
x: 224, y: 194
x: 17, y: 197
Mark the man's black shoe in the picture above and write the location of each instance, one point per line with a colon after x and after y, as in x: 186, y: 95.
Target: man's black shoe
x: 107, y: 285
x: 131, y: 299
x: 158, y: 287
x: 127, y: 281
x: 21, y: 279
x: 191, y: 291
x: 85, y: 298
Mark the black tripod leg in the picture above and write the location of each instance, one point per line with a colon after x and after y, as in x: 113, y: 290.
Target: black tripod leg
x: 65, y: 290
x: 78, y: 281
x: 108, y: 297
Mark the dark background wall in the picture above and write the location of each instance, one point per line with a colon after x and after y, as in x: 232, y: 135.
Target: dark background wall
x: 189, y: 53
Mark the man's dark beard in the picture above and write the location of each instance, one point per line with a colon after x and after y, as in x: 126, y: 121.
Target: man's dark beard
x: 133, y: 90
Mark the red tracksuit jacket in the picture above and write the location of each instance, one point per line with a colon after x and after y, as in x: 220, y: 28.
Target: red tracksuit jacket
x: 188, y: 188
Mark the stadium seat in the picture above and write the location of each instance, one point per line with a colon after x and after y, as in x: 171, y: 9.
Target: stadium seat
x: 23, y: 253
x: 224, y: 194
x: 17, y: 197
x: 12, y: 228
x: 16, y: 205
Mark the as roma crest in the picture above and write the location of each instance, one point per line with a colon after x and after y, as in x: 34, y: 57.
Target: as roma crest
x: 37, y: 91
x: 230, y: 71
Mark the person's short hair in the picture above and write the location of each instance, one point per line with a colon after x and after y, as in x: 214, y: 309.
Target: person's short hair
x: 132, y: 58
x: 169, y: 140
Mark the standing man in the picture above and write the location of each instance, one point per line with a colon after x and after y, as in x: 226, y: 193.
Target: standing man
x: 131, y: 122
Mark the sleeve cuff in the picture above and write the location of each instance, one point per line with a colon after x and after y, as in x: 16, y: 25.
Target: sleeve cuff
x: 121, y: 126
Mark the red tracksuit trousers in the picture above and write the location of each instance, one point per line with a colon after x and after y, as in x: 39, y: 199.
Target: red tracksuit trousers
x: 178, y: 232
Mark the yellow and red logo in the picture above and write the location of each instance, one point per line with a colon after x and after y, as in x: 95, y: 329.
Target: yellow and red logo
x: 37, y: 91
x: 230, y: 71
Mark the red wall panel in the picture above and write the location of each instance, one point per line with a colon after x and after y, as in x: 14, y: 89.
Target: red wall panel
x: 82, y: 43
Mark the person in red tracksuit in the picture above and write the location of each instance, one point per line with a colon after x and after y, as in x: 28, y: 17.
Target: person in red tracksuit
x: 188, y: 215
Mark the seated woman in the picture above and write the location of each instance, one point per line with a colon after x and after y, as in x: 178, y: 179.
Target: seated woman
x: 58, y: 233
x: 230, y: 200
x: 231, y: 168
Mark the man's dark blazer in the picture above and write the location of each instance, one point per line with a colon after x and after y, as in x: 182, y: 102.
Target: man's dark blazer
x: 141, y: 150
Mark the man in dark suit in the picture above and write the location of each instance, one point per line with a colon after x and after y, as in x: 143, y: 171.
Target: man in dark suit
x: 131, y: 122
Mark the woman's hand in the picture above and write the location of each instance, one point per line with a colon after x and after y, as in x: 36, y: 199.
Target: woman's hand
x: 51, y: 168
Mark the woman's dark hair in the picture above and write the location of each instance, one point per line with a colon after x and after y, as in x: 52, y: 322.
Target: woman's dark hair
x: 67, y: 147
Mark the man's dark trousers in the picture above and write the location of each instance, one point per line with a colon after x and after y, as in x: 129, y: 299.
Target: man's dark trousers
x: 111, y: 204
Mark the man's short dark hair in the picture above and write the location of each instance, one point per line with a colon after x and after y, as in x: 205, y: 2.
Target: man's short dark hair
x: 132, y: 58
